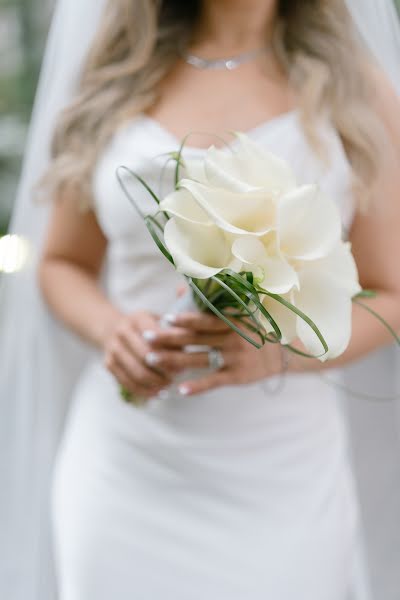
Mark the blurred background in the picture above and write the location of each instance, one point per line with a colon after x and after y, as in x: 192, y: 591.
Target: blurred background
x: 23, y: 30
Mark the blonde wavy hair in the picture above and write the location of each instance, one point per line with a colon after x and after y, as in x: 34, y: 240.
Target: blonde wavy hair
x: 138, y: 42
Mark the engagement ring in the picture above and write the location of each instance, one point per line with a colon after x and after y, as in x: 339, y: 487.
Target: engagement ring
x: 216, y: 359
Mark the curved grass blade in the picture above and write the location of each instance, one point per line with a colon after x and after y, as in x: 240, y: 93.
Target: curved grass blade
x: 255, y: 300
x: 300, y: 314
x: 220, y: 315
x: 179, y: 162
x: 153, y: 219
x: 380, y: 319
x: 161, y: 246
x: 141, y: 181
x: 365, y: 294
x: 126, y: 191
x: 253, y: 295
x: 268, y: 337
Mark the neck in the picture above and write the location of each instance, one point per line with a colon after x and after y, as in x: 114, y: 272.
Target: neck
x: 229, y: 27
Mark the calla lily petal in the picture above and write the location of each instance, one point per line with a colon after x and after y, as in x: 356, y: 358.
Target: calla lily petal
x: 194, y: 169
x: 340, y: 267
x: 198, y: 251
x: 329, y: 307
x: 236, y: 265
x: 279, y: 276
x: 225, y: 169
x: 181, y: 203
x: 309, y: 223
x: 249, y: 250
x: 250, y: 213
x: 285, y: 318
x: 264, y: 169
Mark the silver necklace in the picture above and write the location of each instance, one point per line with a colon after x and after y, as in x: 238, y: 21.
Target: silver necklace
x: 229, y: 64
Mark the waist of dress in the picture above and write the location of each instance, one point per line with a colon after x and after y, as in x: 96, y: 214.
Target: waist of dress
x: 299, y: 407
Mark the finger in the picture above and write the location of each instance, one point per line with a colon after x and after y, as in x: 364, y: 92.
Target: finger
x: 140, y: 373
x: 137, y: 391
x: 176, y: 337
x: 174, y: 362
x: 121, y: 356
x: 205, y: 384
x: 139, y: 348
x: 145, y: 320
x: 201, y: 322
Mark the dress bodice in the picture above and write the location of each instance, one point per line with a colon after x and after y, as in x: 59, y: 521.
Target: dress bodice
x: 138, y: 276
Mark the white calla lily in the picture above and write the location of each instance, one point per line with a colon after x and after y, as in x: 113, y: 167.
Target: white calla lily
x: 309, y: 224
x: 245, y: 167
x: 242, y: 167
x: 240, y: 213
x: 198, y: 251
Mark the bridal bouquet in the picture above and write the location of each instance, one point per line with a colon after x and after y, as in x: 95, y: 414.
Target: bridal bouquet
x: 260, y: 251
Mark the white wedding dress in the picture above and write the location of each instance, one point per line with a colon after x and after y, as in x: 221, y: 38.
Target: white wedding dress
x: 237, y: 494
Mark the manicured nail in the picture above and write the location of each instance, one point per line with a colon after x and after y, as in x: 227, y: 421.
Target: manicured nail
x: 149, y: 335
x: 184, y: 390
x: 163, y: 394
x: 170, y: 318
x: 152, y: 359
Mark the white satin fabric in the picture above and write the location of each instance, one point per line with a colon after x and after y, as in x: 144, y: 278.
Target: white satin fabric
x: 236, y: 494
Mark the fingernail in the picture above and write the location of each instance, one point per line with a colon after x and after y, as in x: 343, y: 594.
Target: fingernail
x: 170, y: 318
x: 149, y: 335
x: 163, y: 394
x: 152, y: 359
x: 184, y: 390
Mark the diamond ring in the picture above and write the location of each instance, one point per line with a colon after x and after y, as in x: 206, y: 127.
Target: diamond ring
x: 216, y: 360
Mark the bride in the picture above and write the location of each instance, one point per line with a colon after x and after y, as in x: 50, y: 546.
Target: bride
x: 230, y: 487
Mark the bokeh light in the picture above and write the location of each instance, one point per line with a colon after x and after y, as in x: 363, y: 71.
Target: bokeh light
x: 14, y: 253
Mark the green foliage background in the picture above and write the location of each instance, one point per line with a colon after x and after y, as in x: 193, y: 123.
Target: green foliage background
x: 23, y: 25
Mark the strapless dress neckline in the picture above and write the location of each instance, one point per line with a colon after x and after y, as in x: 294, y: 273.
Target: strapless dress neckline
x: 253, y: 132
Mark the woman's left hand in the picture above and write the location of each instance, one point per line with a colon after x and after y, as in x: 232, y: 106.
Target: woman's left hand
x: 243, y: 363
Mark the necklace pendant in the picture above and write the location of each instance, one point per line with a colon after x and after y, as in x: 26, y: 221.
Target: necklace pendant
x: 231, y: 64
x: 228, y: 64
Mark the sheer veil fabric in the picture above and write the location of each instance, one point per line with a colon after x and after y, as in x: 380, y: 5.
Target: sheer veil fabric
x: 374, y: 425
x: 39, y: 362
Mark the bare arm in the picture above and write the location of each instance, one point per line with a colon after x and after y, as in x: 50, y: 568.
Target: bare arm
x: 375, y: 242
x: 69, y: 271
x: 68, y: 274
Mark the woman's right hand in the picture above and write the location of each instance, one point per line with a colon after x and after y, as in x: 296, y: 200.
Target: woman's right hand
x: 125, y: 351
